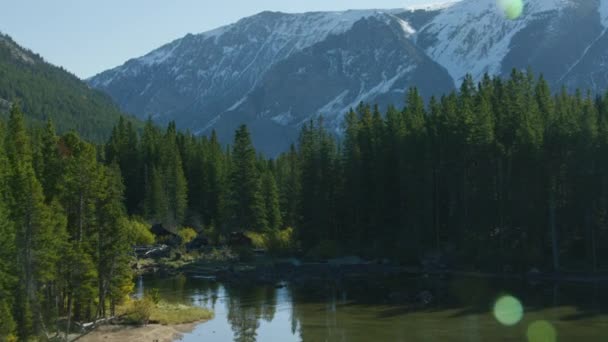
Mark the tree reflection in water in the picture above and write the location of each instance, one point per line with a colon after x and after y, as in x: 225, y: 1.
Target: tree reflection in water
x: 246, y: 306
x: 390, y: 309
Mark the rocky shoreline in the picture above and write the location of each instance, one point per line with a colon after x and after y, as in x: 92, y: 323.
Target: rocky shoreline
x: 293, y: 270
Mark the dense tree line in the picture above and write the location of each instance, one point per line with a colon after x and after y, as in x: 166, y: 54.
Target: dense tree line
x: 499, y: 175
x: 64, y: 235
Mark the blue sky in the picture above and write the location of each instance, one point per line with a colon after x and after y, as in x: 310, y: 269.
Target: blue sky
x: 89, y: 36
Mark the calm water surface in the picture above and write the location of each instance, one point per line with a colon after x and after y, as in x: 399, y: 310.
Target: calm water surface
x: 459, y: 309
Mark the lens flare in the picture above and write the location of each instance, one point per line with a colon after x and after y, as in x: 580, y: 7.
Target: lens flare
x: 508, y: 310
x: 541, y: 331
x: 512, y: 9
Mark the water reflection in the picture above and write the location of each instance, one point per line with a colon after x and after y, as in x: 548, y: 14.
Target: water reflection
x: 246, y: 307
x: 460, y: 309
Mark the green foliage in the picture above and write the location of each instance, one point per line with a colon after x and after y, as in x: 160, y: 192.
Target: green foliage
x: 275, y: 241
x: 271, y: 201
x: 168, y: 314
x: 7, y: 257
x: 140, y: 312
x: 213, y: 234
x: 138, y: 231
x: 320, y: 180
x: 282, y: 241
x: 490, y: 169
x: 166, y: 192
x: 7, y: 324
x: 494, y: 174
x: 246, y: 199
x: 123, y: 148
x: 258, y: 240
x: 187, y: 235
x: 60, y: 230
x: 153, y: 295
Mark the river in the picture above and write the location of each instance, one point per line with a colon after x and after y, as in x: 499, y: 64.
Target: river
x: 393, y: 309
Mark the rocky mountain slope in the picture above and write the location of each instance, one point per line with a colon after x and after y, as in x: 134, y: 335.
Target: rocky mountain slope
x: 276, y: 71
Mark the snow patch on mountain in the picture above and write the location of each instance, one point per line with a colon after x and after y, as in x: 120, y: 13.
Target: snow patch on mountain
x: 533, y: 7
x: 283, y: 119
x: 432, y: 6
x: 208, y: 125
x: 237, y: 104
x: 473, y: 37
x: 407, y: 28
x: 603, y: 9
x: 160, y: 55
x: 270, y: 37
x: 303, y: 29
x: 338, y: 108
x: 334, y: 106
x: 218, y: 31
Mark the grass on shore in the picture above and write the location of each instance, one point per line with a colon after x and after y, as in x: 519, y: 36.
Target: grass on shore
x: 144, y: 311
x: 167, y: 314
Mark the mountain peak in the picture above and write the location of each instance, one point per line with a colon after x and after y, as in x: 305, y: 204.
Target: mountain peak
x: 276, y: 70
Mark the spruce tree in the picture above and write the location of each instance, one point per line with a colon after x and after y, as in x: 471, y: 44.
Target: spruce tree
x: 174, y: 180
x: 215, y: 190
x: 50, y: 173
x: 31, y: 219
x: 246, y: 199
x: 7, y: 250
x: 271, y: 201
x: 112, y: 238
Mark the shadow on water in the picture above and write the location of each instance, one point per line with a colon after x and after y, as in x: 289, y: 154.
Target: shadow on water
x: 391, y: 308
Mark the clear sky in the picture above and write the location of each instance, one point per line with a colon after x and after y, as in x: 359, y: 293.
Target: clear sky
x: 89, y: 36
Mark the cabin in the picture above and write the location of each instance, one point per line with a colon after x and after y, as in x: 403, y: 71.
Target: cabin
x: 164, y: 235
x: 239, y: 239
x: 199, y: 242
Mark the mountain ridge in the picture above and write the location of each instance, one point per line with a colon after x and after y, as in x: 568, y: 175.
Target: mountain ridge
x: 275, y: 71
x: 44, y: 91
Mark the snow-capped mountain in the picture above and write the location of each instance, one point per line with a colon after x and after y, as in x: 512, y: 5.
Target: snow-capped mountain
x: 276, y: 71
x: 552, y: 37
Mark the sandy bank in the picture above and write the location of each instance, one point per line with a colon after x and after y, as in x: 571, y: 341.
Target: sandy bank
x: 152, y: 332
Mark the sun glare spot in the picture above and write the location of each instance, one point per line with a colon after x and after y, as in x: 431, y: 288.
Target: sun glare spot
x: 541, y: 331
x: 512, y: 9
x: 508, y: 310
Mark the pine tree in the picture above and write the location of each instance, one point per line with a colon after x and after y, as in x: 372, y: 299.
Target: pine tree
x: 246, y: 199
x: 32, y: 226
x: 320, y: 175
x: 271, y: 201
x: 112, y: 238
x: 123, y: 148
x: 288, y: 179
x: 50, y: 173
x: 174, y: 178
x: 156, y: 198
x: 215, y: 190
x: 415, y: 175
x: 7, y: 250
x: 81, y: 189
x: 351, y: 164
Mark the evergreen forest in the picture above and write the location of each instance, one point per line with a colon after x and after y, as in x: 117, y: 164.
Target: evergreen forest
x: 505, y: 174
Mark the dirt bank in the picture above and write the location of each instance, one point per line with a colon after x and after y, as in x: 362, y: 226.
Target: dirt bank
x: 152, y: 332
